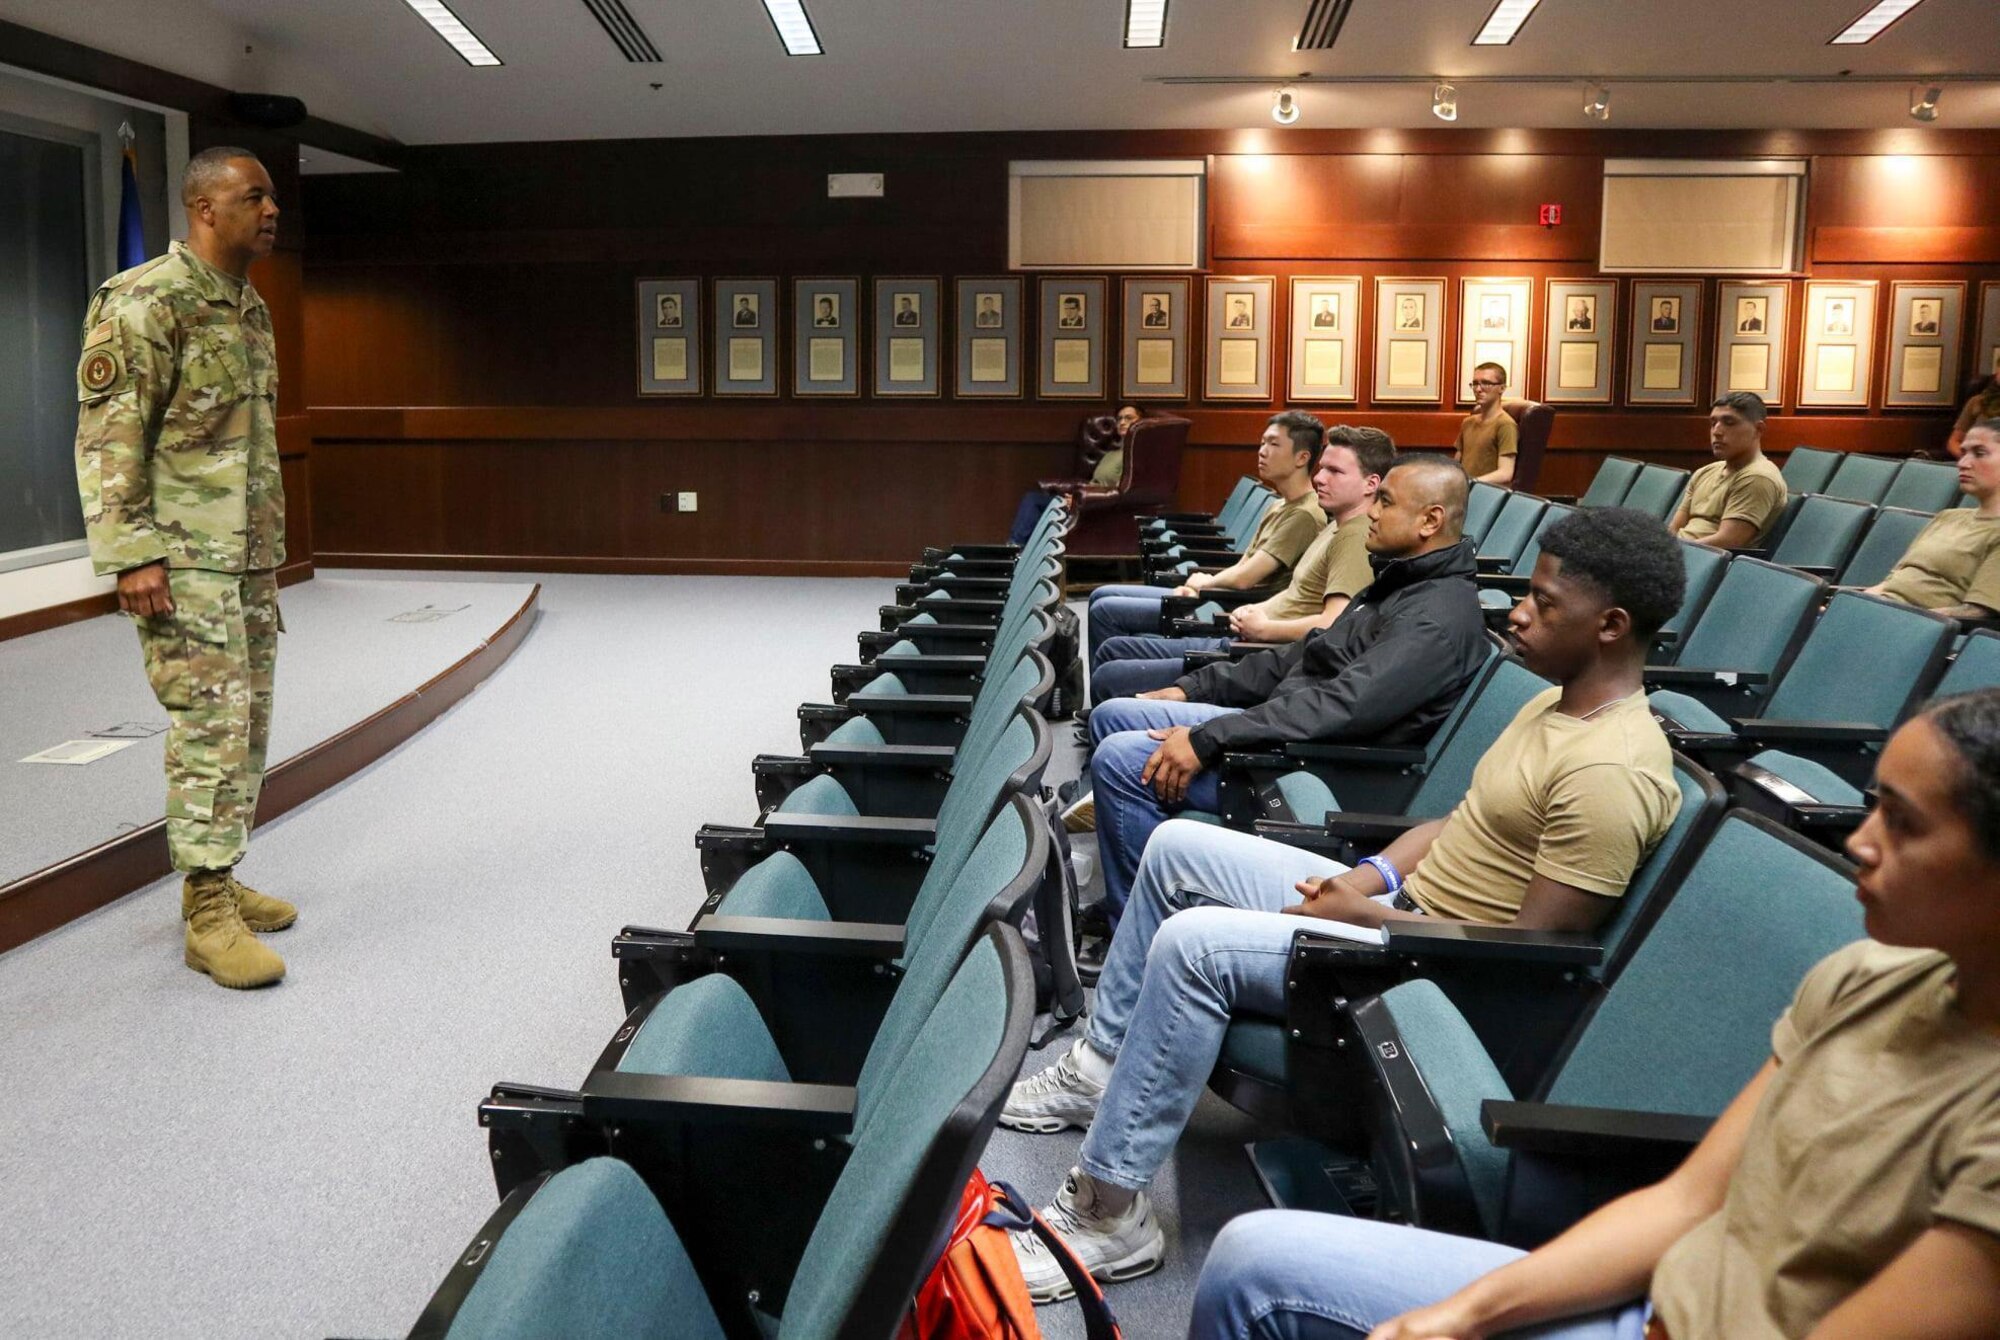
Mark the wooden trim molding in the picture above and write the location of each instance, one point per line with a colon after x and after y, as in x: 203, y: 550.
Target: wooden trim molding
x: 623, y: 564
x: 38, y: 903
x: 90, y: 607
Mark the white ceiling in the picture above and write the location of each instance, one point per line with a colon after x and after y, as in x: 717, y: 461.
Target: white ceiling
x: 952, y: 65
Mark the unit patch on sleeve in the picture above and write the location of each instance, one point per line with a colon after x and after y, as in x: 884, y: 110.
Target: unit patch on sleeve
x: 101, y: 370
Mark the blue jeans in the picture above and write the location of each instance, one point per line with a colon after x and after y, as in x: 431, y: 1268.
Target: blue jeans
x: 1201, y: 939
x: 1290, y: 1275
x: 1117, y: 610
x: 1127, y: 809
x: 1136, y: 663
x: 1033, y: 503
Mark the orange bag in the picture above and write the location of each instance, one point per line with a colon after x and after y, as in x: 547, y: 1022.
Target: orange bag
x: 975, y: 1291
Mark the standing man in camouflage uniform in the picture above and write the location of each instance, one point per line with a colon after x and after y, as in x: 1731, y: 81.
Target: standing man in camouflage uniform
x: 177, y: 460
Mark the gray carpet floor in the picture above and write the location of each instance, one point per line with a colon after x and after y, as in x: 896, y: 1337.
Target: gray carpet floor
x: 342, y: 657
x: 181, y: 1160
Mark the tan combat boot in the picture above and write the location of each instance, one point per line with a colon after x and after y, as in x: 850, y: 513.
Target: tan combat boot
x: 218, y: 943
x: 260, y: 912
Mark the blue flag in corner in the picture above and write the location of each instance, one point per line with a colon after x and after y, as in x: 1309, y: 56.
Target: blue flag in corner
x: 131, y: 228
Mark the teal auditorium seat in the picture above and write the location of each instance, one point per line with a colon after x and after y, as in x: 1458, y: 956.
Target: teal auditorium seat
x: 1923, y: 486
x: 1657, y: 491
x: 1887, y: 540
x: 1822, y: 536
x: 800, y: 1212
x: 1500, y: 591
x: 1482, y: 509
x: 1673, y: 1038
x: 1746, y: 634
x: 1862, y: 478
x: 1611, y: 483
x: 1704, y: 566
x: 1518, y: 520
x: 1807, y: 469
x: 1154, y: 525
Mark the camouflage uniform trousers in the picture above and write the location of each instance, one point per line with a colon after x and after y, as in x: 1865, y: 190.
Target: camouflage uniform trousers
x: 212, y: 664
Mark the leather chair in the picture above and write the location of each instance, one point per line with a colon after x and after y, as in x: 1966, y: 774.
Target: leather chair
x: 1534, y: 420
x: 1152, y: 478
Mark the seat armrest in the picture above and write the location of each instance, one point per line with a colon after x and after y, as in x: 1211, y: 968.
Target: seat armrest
x: 1824, y: 571
x: 1374, y: 755
x: 1197, y: 628
x: 1492, y: 565
x: 1306, y: 837
x: 782, y: 827
x: 1511, y: 583
x: 1461, y: 940
x: 1773, y: 730
x: 1659, y: 676
x: 940, y: 663
x: 924, y: 756
x: 1371, y: 827
x: 946, y: 704
x: 862, y: 939
x: 615, y: 1096
x: 1588, y: 1132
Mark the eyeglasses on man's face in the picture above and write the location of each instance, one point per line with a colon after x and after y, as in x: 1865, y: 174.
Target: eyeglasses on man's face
x: 1476, y: 382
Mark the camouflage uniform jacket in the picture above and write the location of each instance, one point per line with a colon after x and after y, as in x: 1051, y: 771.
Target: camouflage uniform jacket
x: 176, y: 435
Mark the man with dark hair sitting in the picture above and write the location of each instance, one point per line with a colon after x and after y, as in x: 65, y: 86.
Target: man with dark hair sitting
x: 1333, y: 570
x: 1731, y: 502
x: 1388, y: 670
x: 1561, y: 811
x: 1285, y: 457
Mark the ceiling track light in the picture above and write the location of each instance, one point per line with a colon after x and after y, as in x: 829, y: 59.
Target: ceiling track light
x: 1145, y: 23
x: 1285, y: 106
x: 1924, y: 102
x: 1597, y: 102
x: 1444, y: 101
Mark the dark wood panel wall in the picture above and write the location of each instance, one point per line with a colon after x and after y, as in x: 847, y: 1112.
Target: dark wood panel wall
x: 487, y: 292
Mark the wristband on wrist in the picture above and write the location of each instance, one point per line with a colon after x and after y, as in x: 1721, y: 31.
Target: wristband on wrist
x: 1392, y: 879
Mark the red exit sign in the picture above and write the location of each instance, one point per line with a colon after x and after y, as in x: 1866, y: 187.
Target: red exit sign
x: 1551, y: 215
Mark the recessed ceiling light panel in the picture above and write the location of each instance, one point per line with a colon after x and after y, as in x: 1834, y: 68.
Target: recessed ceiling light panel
x: 1504, y: 22
x: 1874, y: 23
x: 795, y: 28
x: 453, y: 30
x: 1145, y: 23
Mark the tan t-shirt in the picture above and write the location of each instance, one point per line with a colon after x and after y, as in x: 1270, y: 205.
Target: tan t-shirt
x: 1336, y: 564
x: 1109, y: 467
x: 1955, y: 560
x: 1482, y: 442
x: 1288, y: 530
x: 1755, y: 494
x: 1883, y: 1120
x: 1581, y: 802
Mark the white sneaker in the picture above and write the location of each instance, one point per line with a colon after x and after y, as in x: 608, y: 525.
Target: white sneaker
x: 1059, y: 1097
x: 1110, y: 1247
x: 1081, y: 816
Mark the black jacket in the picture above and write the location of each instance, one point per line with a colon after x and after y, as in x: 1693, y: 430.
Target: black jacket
x: 1387, y: 671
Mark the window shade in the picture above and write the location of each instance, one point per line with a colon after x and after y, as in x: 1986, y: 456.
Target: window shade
x: 1135, y: 219
x: 1687, y: 222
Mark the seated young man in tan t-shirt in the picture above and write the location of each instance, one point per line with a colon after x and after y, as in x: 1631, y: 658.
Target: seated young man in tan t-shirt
x: 1562, y: 810
x: 1489, y: 439
x: 1333, y: 569
x: 1953, y: 566
x: 1731, y: 503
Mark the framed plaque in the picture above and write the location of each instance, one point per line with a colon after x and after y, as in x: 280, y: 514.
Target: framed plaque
x: 1837, y: 347
x: 1750, y: 339
x: 1986, y: 352
x: 1579, y: 322
x: 826, y: 337
x: 908, y: 318
x: 1926, y: 320
x: 990, y: 324
x: 1409, y: 340
x: 1073, y: 339
x: 746, y: 337
x: 669, y: 337
x: 1326, y: 335
x: 1666, y: 336
x: 1155, y: 337
x: 1240, y: 322
x: 1494, y: 318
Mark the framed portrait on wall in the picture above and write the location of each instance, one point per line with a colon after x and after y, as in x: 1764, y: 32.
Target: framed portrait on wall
x: 826, y: 337
x: 1837, y: 347
x: 1326, y: 337
x: 908, y: 319
x: 1578, y: 326
x: 669, y: 336
x: 1987, y: 350
x: 1750, y: 339
x: 991, y: 329
x: 1495, y: 316
x: 1240, y: 325
x: 746, y: 337
x: 1155, y: 339
x: 1926, y: 319
x: 1409, y: 340
x: 1665, y: 338
x: 1074, y: 324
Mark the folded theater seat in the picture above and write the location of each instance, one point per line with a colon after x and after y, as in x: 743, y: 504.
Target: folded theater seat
x: 756, y: 1207
x: 1807, y: 469
x: 994, y: 560
x: 1806, y: 795
x: 1433, y: 1132
x: 1656, y: 490
x: 1170, y: 524
x: 1744, y: 637
x: 1820, y: 538
x: 1611, y: 483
